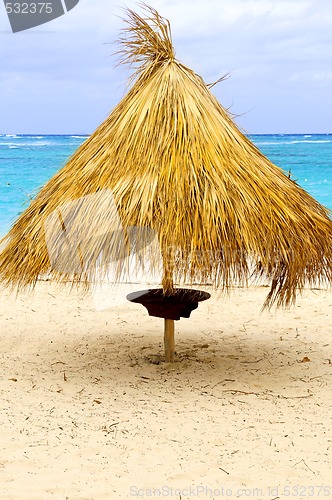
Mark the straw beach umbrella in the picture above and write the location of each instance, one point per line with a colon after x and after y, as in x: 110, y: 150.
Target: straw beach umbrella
x: 170, y: 159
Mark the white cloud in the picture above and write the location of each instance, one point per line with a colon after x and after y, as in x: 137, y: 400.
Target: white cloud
x: 274, y: 48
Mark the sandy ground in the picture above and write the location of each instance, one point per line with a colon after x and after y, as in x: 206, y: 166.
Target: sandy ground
x: 89, y: 412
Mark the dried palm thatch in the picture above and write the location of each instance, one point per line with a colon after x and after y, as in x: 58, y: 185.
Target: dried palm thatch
x: 170, y: 158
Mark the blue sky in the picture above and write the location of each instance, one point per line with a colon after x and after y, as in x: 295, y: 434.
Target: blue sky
x: 61, y: 77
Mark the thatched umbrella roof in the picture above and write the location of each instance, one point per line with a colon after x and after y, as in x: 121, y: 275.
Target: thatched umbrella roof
x: 170, y: 158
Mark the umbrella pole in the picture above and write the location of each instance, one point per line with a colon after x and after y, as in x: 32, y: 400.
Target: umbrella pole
x: 169, y: 340
x: 169, y: 343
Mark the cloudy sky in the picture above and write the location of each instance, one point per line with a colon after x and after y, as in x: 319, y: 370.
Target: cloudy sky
x: 62, y: 77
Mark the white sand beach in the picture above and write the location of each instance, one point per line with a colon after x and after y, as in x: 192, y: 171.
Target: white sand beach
x: 88, y: 411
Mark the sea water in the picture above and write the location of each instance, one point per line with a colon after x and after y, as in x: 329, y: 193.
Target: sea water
x: 28, y: 161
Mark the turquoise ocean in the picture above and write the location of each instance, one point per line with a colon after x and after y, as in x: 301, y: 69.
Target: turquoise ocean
x: 28, y: 161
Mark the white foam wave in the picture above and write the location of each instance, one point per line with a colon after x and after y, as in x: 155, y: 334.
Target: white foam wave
x: 308, y: 142
x: 283, y: 143
x: 25, y: 145
x: 33, y: 137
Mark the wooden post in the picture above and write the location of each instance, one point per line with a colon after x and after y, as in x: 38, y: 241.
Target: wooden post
x: 168, y: 289
x: 169, y: 340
